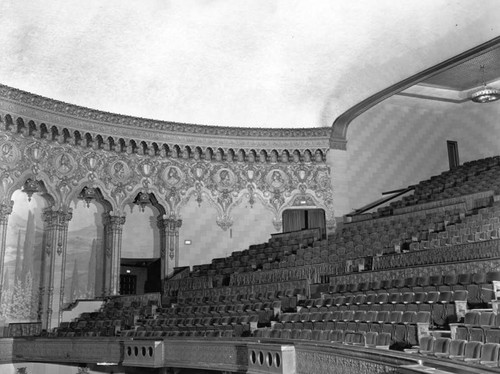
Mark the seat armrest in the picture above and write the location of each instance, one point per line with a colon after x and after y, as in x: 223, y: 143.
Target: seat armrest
x: 466, y: 359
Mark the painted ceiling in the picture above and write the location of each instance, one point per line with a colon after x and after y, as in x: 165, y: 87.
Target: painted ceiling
x: 259, y: 63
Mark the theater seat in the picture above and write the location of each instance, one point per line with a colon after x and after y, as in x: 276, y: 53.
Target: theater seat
x: 490, y: 354
x: 426, y: 345
x: 457, y: 349
x: 472, y: 351
x: 441, y: 347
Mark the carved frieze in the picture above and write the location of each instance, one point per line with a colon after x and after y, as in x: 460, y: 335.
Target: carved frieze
x: 323, y: 362
x: 65, y: 170
x: 83, y: 120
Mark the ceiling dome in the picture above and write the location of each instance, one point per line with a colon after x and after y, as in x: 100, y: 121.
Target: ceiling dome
x: 259, y: 64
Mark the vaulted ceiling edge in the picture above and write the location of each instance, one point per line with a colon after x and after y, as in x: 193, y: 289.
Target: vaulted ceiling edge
x: 54, y: 112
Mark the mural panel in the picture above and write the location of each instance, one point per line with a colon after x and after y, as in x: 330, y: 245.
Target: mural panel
x: 84, y: 258
x: 141, y: 236
x: 22, y: 262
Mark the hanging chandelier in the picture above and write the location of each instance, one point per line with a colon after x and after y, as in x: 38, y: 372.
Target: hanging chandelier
x: 485, y: 94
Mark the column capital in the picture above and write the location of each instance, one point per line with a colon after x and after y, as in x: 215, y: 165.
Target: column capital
x: 170, y: 223
x: 5, y: 210
x: 59, y: 217
x: 113, y: 220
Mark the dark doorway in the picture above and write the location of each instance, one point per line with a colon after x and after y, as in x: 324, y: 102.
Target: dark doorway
x: 453, y: 158
x: 128, y: 284
x: 301, y: 219
x: 139, y: 276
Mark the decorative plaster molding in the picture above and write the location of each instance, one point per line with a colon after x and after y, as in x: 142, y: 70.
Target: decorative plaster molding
x: 339, y: 127
x: 39, y: 109
x: 323, y: 362
x: 65, y: 170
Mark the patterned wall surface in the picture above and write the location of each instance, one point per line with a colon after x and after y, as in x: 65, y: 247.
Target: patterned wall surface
x: 403, y: 140
x: 252, y: 224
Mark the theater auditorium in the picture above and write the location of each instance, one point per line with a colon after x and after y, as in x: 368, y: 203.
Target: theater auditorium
x: 265, y: 187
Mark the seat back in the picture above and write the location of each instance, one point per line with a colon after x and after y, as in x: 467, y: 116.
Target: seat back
x: 427, y: 344
x: 408, y: 297
x: 409, y: 317
x: 487, y: 319
x: 490, y: 352
x: 473, y: 349
x: 471, y: 318
x: 395, y: 316
x: 371, y: 338
x: 442, y: 345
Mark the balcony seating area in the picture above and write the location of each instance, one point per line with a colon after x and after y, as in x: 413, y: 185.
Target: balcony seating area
x: 266, y: 256
x: 448, y: 227
x: 478, y: 325
x: 113, y: 317
x: 475, y: 288
x: 472, y: 352
x: 469, y: 178
x: 446, y: 315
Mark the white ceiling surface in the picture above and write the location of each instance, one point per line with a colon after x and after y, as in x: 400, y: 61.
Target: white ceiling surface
x: 258, y: 63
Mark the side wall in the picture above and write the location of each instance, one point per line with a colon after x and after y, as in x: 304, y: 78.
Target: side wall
x: 221, y: 205
x: 403, y: 141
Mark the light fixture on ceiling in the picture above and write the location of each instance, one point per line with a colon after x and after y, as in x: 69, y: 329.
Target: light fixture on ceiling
x: 485, y: 94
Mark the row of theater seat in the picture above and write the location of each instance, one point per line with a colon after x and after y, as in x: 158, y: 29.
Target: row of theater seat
x: 458, y: 349
x: 222, y: 309
x: 423, y: 221
x: 238, y: 298
x: 439, y: 304
x: 155, y: 334
x: 478, y: 325
x: 89, y: 328
x: 242, y: 321
x: 261, y: 255
x: 370, y: 339
x: 418, y: 228
x: 402, y: 326
x: 422, y: 238
x: 479, y: 286
x: 476, y: 176
x: 384, y: 297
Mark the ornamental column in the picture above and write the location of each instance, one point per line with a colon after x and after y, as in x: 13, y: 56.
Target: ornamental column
x: 169, y: 232
x: 113, y: 229
x: 53, y: 266
x: 5, y: 210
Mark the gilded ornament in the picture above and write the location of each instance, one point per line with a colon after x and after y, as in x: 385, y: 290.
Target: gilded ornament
x: 119, y: 171
x: 172, y: 176
x: 224, y: 179
x: 9, y: 153
x: 64, y: 163
x: 277, y: 180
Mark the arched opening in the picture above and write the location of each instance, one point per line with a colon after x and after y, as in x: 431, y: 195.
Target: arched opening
x: 140, y: 263
x: 85, y: 255
x: 23, y: 259
x: 302, y: 219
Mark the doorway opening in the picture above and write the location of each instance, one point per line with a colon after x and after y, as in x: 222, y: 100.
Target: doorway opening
x: 140, y: 275
x: 301, y: 219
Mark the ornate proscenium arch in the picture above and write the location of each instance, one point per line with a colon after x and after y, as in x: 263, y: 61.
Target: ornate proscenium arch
x: 338, y: 139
